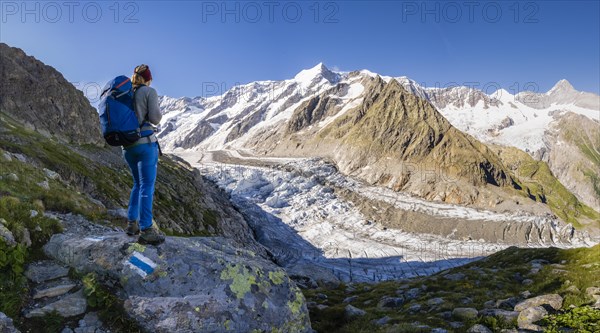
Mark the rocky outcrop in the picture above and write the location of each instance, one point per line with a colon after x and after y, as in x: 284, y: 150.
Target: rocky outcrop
x: 185, y: 284
x: 458, y: 97
x: 562, y: 93
x: 40, y: 97
x: 316, y: 109
x: 201, y: 132
x: 245, y: 121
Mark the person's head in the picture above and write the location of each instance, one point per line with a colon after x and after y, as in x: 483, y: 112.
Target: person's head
x: 141, y: 75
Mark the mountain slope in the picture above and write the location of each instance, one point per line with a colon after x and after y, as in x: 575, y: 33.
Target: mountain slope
x: 533, y: 122
x: 574, y: 155
x: 540, y: 184
x: 394, y: 139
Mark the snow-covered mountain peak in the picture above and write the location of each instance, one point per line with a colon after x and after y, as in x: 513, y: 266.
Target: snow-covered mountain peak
x: 368, y: 73
x: 562, y: 86
x: 405, y: 80
x: 502, y: 94
x: 311, y: 76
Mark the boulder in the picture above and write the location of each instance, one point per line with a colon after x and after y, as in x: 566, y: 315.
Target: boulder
x: 464, y: 314
x: 412, y: 294
x: 51, y: 174
x: 479, y: 329
x: 527, y: 282
x: 529, y: 316
x: 553, y: 300
x: 6, y: 324
x: 414, y: 308
x: 6, y: 236
x: 573, y: 290
x: 90, y: 323
x: 594, y: 293
x: 446, y: 315
x: 508, y: 303
x: 187, y: 284
x: 435, y: 301
x: 390, y: 302
x: 352, y: 311
x: 381, y: 321
x: 456, y: 324
x: 350, y: 299
x: 6, y: 156
x: 44, y: 184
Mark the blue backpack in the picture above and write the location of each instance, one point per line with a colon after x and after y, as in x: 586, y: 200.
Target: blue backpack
x: 118, y: 120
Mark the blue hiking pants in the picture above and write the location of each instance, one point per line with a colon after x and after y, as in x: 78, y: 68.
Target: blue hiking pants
x: 143, y: 161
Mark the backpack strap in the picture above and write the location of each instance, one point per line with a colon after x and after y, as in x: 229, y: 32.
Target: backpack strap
x: 116, y: 87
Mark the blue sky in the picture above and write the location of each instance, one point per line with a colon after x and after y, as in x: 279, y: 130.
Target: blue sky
x: 193, y: 45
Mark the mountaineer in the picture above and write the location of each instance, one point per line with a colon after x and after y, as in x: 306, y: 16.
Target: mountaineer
x: 142, y: 158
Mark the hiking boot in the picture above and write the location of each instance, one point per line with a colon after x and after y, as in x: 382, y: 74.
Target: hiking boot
x: 151, y: 236
x: 133, y: 228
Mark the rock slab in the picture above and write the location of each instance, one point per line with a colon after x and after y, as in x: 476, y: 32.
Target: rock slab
x: 196, y: 284
x: 42, y: 271
x: 70, y: 306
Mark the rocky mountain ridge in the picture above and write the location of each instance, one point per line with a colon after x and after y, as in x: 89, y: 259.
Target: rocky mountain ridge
x: 29, y: 86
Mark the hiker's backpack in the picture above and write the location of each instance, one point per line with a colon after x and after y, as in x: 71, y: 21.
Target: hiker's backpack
x: 118, y: 120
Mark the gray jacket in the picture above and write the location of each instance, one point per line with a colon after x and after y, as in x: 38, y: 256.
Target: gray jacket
x: 146, y: 105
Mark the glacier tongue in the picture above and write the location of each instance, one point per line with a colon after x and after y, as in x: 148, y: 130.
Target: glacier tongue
x: 315, y: 233
x: 332, y: 232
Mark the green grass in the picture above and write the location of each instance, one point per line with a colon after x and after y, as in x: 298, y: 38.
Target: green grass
x: 102, y: 182
x: 538, y: 179
x: 60, y: 198
x: 492, y: 278
x: 582, y: 320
